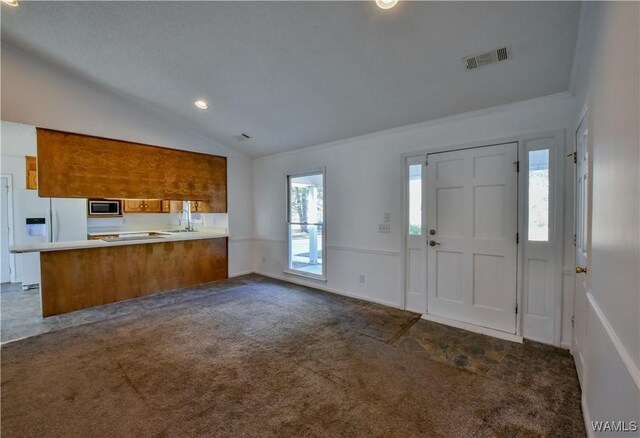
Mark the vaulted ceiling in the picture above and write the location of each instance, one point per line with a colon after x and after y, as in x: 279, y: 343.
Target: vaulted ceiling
x: 294, y: 74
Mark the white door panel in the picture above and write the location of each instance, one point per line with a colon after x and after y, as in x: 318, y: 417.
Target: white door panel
x: 4, y: 225
x: 583, y: 240
x: 472, y: 219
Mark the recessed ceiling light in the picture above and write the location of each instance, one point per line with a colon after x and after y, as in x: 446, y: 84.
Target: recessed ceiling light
x: 201, y: 104
x: 386, y: 4
x: 13, y: 3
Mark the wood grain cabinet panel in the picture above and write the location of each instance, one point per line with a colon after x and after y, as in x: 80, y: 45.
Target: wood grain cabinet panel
x: 203, y: 207
x: 152, y: 206
x: 81, y: 278
x: 79, y: 166
x: 133, y: 205
x: 32, y: 173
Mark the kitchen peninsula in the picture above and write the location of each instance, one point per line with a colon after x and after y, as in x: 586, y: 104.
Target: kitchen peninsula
x: 106, y: 269
x: 88, y: 273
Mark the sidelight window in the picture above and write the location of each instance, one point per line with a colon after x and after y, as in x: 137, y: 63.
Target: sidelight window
x: 415, y: 199
x: 539, y: 195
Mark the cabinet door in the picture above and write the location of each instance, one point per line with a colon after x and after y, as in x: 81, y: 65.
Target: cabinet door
x: 133, y: 205
x: 166, y: 206
x: 175, y: 206
x: 204, y: 207
x: 193, y: 206
x: 152, y: 206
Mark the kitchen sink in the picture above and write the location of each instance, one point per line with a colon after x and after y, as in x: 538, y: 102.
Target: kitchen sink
x: 178, y: 231
x: 125, y: 238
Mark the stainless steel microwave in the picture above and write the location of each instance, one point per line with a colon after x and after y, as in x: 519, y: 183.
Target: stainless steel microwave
x: 104, y: 207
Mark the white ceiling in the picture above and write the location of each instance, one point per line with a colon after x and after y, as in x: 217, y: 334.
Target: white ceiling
x: 294, y: 74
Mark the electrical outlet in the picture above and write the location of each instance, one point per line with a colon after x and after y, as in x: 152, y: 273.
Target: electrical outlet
x: 361, y: 278
x: 384, y: 228
x: 387, y: 218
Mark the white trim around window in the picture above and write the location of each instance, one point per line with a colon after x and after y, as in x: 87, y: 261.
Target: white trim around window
x: 310, y: 259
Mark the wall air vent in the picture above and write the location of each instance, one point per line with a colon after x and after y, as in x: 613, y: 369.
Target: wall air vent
x: 482, y: 59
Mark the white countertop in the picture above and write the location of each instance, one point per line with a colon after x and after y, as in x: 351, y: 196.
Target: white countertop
x: 207, y: 233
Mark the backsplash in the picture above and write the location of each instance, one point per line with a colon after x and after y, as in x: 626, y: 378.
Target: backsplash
x: 155, y: 221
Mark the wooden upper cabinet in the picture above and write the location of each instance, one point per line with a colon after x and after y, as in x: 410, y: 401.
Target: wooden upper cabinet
x: 133, y: 205
x: 80, y: 166
x: 142, y: 205
x: 152, y: 206
x: 202, y: 207
x: 32, y: 173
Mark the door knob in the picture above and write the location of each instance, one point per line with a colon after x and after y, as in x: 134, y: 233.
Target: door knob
x: 432, y: 232
x: 581, y: 270
x: 433, y: 243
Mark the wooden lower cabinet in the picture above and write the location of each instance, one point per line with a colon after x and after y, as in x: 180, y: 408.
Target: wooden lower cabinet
x: 80, y: 278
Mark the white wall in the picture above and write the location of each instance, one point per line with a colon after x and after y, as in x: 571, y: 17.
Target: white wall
x: 605, y: 78
x: 364, y: 180
x: 17, y: 141
x: 35, y: 92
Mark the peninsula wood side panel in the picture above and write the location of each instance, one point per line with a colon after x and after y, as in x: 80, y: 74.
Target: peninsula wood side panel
x: 80, y: 166
x: 81, y: 278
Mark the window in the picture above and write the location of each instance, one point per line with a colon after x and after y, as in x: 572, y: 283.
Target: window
x: 305, y: 219
x: 415, y: 199
x: 539, y: 195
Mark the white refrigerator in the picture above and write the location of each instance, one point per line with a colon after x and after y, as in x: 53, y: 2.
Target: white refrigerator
x: 48, y: 220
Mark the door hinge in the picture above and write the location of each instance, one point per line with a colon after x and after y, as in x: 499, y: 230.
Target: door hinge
x: 575, y: 240
x: 517, y: 164
x: 573, y: 321
x: 575, y: 157
x: 517, y: 237
x: 516, y: 309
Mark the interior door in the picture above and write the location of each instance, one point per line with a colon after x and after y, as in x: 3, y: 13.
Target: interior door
x: 472, y: 225
x: 4, y: 237
x: 583, y: 240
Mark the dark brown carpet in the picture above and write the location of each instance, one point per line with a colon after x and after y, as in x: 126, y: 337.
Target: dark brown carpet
x: 271, y: 359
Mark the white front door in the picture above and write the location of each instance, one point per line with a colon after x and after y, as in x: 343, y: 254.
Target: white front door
x: 472, y: 224
x: 4, y: 236
x: 583, y: 240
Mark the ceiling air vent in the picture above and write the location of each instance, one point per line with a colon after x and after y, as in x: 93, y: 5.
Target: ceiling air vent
x: 242, y: 137
x: 482, y: 59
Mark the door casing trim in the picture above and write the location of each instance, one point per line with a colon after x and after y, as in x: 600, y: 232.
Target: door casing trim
x: 520, y: 139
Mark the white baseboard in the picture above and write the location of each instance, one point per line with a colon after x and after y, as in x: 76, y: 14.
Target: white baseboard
x: 239, y: 274
x: 473, y: 328
x: 587, y: 417
x: 319, y: 284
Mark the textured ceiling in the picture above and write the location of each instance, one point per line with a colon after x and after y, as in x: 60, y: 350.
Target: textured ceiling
x: 294, y: 74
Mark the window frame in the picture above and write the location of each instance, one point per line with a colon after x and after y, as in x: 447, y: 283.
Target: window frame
x: 288, y: 223
x: 550, y: 195
x: 407, y: 221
